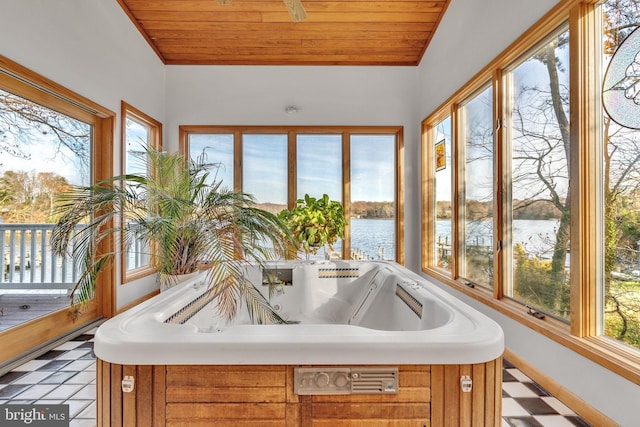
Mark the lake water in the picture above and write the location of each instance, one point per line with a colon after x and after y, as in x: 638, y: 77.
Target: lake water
x: 373, y: 235
x: 537, y: 237
x: 370, y: 238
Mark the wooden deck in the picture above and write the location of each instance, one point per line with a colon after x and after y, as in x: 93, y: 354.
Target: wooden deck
x: 16, y: 309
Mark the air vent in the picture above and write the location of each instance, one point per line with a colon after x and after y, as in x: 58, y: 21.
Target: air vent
x: 374, y: 380
x: 338, y: 273
x: 188, y: 311
x: 410, y: 300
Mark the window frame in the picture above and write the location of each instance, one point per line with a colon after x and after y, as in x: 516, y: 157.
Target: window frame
x: 581, y: 334
x: 508, y: 93
x: 429, y: 194
x: 128, y: 111
x: 292, y: 131
x: 32, y: 86
x: 460, y: 178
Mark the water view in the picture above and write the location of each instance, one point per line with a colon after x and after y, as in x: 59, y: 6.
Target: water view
x: 537, y: 237
x: 375, y: 238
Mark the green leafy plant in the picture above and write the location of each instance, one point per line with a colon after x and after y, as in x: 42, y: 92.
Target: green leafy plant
x: 189, y: 225
x: 315, y: 223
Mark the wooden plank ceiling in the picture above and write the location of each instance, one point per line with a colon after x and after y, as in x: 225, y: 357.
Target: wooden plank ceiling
x: 261, y: 32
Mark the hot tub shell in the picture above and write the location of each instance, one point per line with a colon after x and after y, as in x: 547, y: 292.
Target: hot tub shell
x: 205, y: 372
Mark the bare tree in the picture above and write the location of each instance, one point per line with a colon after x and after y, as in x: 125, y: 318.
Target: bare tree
x: 22, y: 122
x: 541, y: 164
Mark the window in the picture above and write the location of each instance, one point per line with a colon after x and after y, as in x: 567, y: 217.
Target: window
x: 264, y: 171
x: 319, y: 166
x: 138, y: 132
x: 50, y: 137
x: 278, y: 165
x: 443, y: 224
x: 319, y: 172
x: 373, y: 210
x: 538, y: 135
x: 545, y: 172
x: 216, y: 150
x: 476, y: 189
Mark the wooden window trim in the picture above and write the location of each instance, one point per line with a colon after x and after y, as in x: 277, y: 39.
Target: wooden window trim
x: 429, y: 190
x: 580, y: 335
x: 346, y: 190
x: 155, y: 139
x: 291, y: 132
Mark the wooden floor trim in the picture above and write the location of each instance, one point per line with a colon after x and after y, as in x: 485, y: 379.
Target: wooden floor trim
x: 25, y: 339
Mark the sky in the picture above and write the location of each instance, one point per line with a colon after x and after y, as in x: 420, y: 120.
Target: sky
x: 43, y: 154
x: 40, y: 148
x: 319, y: 165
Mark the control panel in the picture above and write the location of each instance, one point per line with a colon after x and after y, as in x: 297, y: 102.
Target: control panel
x: 345, y: 380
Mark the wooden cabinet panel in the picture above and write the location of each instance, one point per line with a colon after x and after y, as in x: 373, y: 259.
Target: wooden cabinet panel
x: 220, y: 413
x: 263, y: 395
x: 481, y: 407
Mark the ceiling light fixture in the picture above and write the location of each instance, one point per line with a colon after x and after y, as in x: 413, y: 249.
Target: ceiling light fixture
x: 291, y: 109
x: 295, y: 8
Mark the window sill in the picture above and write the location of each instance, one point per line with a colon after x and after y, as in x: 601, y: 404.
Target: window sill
x: 613, y: 356
x: 137, y: 273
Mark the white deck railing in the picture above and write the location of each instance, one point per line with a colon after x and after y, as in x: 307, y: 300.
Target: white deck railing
x: 29, y: 263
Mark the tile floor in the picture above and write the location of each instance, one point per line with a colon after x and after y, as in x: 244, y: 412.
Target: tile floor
x: 526, y: 404
x: 67, y: 375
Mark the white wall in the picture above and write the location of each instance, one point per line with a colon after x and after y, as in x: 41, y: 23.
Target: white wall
x: 472, y: 34
x: 91, y: 48
x: 88, y: 46
x: 241, y: 95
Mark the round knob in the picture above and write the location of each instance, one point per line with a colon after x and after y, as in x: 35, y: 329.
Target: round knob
x: 322, y: 379
x: 341, y: 380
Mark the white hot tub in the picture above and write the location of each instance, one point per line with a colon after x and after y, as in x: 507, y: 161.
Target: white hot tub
x: 349, y: 312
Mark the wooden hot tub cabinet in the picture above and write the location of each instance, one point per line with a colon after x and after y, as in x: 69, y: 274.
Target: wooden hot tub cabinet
x: 251, y: 395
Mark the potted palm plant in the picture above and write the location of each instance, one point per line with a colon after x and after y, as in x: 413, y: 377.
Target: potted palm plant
x: 315, y: 223
x: 188, y: 223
